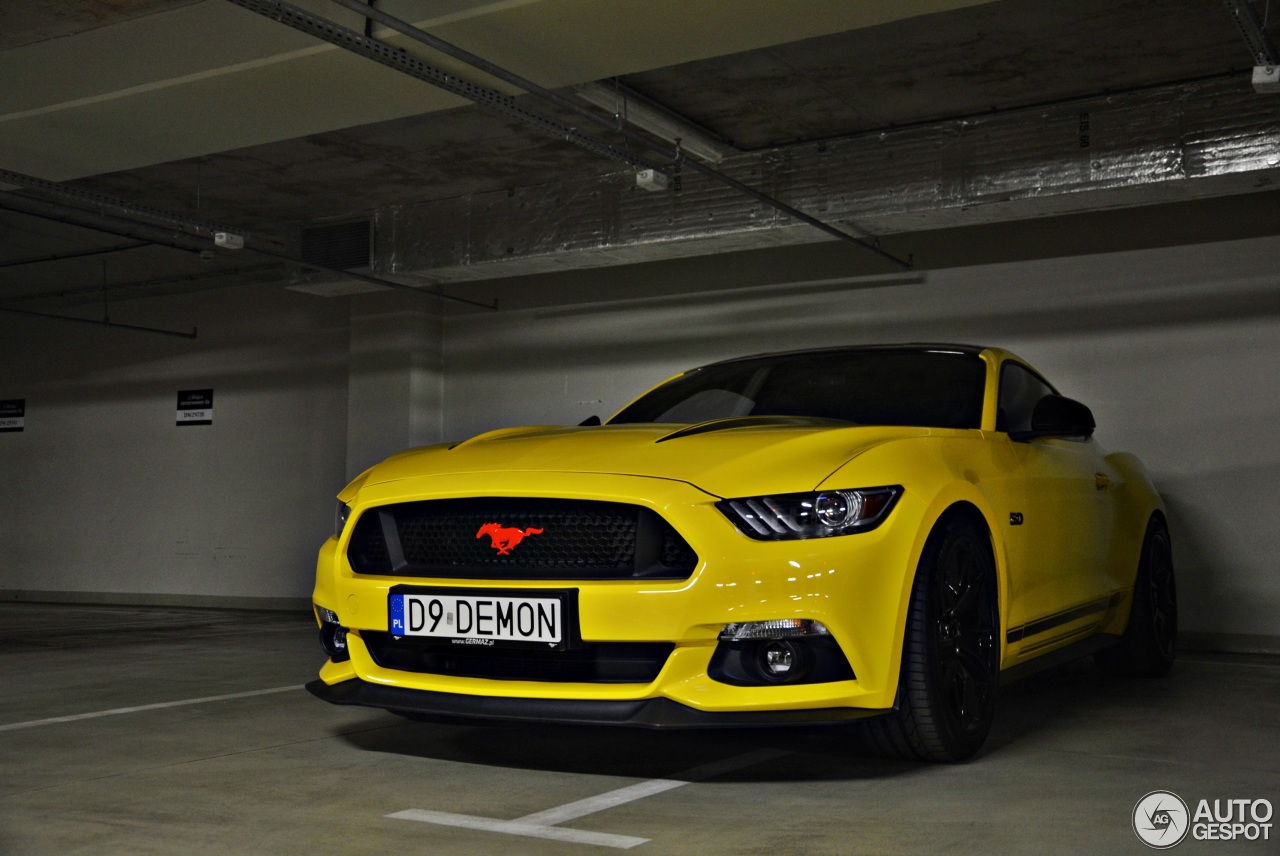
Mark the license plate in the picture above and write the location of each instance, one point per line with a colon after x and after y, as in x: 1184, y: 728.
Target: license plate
x: 479, y: 619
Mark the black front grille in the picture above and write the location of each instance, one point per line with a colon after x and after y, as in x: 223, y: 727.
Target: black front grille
x: 521, y: 539
x: 599, y: 663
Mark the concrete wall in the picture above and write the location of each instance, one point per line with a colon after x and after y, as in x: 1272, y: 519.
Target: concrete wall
x: 105, y: 499
x: 1175, y: 350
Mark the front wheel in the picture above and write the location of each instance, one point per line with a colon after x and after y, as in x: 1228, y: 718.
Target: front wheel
x: 1147, y: 648
x: 950, y: 656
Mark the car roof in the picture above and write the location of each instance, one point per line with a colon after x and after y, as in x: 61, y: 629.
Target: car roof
x: 919, y: 347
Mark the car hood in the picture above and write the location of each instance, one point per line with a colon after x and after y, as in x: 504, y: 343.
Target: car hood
x: 731, y: 457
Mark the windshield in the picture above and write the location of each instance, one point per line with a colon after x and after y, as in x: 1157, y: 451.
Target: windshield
x: 929, y: 388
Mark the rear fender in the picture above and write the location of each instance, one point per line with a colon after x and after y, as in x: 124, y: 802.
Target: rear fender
x: 1136, y: 500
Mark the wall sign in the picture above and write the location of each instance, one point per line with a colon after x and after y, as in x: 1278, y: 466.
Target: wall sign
x: 195, y: 407
x: 12, y: 415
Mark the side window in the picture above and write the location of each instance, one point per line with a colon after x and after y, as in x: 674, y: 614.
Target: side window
x: 1020, y: 389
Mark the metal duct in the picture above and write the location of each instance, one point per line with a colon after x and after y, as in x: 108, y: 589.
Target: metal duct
x: 399, y: 60
x: 1171, y: 143
x: 340, y: 246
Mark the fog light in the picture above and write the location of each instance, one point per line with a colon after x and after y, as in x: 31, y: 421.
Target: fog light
x: 333, y: 636
x: 778, y: 628
x: 776, y: 662
x: 777, y: 659
x: 782, y: 661
x: 334, y: 641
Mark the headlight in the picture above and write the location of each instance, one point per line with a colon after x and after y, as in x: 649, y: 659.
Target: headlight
x: 810, y: 515
x: 340, y: 518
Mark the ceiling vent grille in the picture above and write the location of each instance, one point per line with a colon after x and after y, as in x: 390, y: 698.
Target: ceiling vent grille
x: 341, y: 245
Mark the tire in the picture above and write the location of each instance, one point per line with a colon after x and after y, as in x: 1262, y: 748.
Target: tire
x: 1149, y: 644
x: 950, y: 656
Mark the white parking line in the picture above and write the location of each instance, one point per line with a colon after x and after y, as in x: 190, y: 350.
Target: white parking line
x: 34, y: 723
x: 515, y: 827
x: 543, y: 824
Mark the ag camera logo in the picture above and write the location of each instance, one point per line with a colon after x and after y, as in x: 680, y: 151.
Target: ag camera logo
x: 1161, y: 820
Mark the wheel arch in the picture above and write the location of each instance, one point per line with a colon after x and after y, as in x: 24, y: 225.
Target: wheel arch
x: 932, y: 720
x: 999, y: 557
x: 973, y: 507
x: 1137, y: 504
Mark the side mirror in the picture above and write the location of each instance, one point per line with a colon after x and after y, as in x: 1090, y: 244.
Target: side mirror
x: 1056, y: 416
x: 589, y: 422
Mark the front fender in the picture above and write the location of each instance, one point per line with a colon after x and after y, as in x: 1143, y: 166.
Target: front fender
x: 938, y: 473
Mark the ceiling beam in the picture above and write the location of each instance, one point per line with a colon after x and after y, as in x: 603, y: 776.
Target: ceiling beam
x: 207, y: 77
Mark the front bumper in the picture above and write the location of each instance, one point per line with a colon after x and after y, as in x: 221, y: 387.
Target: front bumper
x: 640, y: 713
x: 855, y: 585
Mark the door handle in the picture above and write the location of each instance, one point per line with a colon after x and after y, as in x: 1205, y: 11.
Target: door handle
x: 1101, y: 481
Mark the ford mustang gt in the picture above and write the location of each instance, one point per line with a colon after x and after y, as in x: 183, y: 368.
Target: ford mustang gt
x: 871, y: 533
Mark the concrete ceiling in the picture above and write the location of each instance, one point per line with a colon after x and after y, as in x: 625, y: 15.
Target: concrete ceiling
x: 907, y: 121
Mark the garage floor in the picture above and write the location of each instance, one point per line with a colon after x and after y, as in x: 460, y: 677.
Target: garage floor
x: 178, y: 731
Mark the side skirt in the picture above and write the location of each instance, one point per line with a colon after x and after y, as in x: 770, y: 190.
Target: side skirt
x: 1066, y: 654
x: 1067, y: 616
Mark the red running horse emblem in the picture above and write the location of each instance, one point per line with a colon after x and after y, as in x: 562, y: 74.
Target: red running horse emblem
x: 505, y: 538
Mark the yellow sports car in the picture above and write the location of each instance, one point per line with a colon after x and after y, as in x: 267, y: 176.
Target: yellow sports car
x: 871, y: 533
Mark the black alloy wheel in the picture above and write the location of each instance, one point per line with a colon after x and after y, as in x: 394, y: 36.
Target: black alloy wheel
x: 950, y: 658
x: 965, y: 632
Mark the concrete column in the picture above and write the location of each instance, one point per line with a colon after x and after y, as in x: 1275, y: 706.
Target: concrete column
x: 395, y: 379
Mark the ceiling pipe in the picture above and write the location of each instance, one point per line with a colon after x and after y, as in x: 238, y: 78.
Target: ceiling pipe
x: 124, y: 206
x: 68, y: 216
x: 58, y: 212
x: 370, y: 48
x: 132, y: 328
x: 149, y: 287
x: 104, y: 251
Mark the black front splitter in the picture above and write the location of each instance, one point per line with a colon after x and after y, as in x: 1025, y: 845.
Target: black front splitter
x: 642, y: 713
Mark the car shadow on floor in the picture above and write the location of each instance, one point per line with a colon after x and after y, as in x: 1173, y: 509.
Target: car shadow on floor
x: 1062, y: 697
x: 605, y: 751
